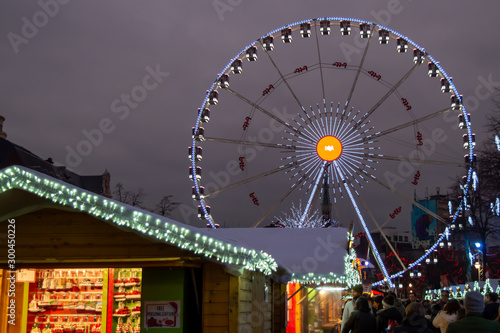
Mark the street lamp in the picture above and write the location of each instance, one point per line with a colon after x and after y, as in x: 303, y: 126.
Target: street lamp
x: 478, y: 264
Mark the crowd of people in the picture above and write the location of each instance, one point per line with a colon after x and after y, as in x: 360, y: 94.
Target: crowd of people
x: 382, y: 314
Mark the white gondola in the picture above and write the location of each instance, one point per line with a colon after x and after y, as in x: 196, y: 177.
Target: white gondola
x: 305, y: 30
x: 236, y: 66
x: 383, y: 36
x: 466, y: 140
x: 402, y: 45
x: 197, y: 173
x: 205, y: 115
x: 213, y: 97
x: 251, y: 53
x: 198, y: 153
x: 461, y: 121
x: 345, y: 28
x: 433, y: 69
x: 324, y: 27
x: 268, y: 43
x: 224, y: 81
x: 286, y: 35
x: 456, y: 104
x: 198, y: 134
x: 201, y: 213
x: 418, y: 56
x: 364, y: 30
x: 195, y: 195
x: 445, y: 85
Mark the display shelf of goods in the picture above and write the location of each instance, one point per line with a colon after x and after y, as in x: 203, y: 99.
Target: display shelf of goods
x: 127, y: 296
x: 66, y: 300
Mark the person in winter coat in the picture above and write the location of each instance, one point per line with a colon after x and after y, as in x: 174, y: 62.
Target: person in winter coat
x: 388, y: 312
x: 357, y: 291
x: 473, y: 320
x: 377, y: 304
x: 414, y: 322
x: 361, y: 319
x: 398, y: 304
x: 447, y: 315
x: 492, y: 306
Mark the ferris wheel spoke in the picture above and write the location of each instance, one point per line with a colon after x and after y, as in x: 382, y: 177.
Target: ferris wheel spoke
x: 389, y: 93
x: 411, y: 201
x: 313, y: 137
x: 345, y: 125
x: 250, y: 143
x: 408, y: 124
x: 322, y: 125
x: 378, y: 259
x: 309, y: 169
x: 251, y: 179
x: 320, y: 64
x: 261, y: 109
x: 415, y: 161
x: 278, y: 202
x: 283, y: 78
x: 382, y: 232
x: 358, y: 72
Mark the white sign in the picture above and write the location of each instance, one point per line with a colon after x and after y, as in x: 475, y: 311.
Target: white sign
x: 26, y: 275
x: 164, y: 314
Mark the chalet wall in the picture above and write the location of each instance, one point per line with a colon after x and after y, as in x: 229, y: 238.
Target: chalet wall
x: 50, y: 236
x: 239, y: 304
x: 216, y: 316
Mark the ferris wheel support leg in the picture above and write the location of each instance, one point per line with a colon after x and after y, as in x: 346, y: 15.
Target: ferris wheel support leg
x: 313, y: 193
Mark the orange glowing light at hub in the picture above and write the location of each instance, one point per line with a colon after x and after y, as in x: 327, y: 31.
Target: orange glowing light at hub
x: 329, y: 148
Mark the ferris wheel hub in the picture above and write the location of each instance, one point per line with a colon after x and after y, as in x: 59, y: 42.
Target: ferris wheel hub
x: 329, y: 148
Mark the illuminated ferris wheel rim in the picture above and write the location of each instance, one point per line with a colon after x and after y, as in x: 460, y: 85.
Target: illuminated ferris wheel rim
x: 372, y: 26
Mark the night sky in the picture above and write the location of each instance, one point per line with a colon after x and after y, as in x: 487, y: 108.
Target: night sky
x: 69, y: 69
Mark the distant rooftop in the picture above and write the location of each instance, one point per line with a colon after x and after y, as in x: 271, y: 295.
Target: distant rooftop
x: 13, y: 154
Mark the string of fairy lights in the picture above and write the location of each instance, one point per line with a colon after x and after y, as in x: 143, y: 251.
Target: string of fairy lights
x: 121, y: 214
x: 157, y: 227
x: 358, y: 157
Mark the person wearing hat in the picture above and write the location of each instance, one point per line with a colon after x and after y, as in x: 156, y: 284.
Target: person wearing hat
x: 388, y: 312
x: 357, y: 291
x: 473, y: 320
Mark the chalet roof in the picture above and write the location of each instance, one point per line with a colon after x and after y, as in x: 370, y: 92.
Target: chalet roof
x: 150, y: 225
x: 308, y: 255
x: 13, y: 154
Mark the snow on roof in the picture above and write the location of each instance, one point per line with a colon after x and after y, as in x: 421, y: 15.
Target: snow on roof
x: 319, y: 251
x: 308, y: 253
x: 157, y: 228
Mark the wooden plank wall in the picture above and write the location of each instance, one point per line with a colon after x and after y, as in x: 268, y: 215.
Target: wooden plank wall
x: 245, y: 302
x: 215, y: 308
x: 255, y: 311
x: 64, y: 235
x: 238, y: 304
x: 279, y: 302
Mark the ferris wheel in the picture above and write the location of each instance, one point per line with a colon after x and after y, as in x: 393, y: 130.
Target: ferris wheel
x: 335, y: 114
